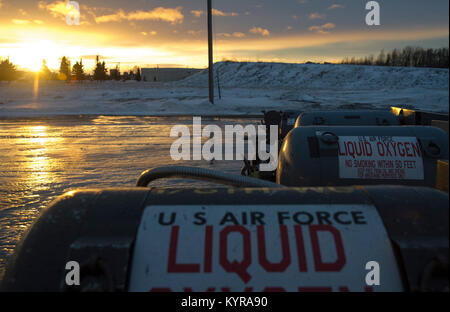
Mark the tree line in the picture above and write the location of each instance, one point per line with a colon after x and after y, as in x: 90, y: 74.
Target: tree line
x: 67, y: 72
x: 8, y: 71
x: 406, y: 57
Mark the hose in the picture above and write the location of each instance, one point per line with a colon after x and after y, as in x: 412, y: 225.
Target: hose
x: 202, y: 174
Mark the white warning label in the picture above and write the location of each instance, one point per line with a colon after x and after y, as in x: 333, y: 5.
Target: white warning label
x: 269, y: 248
x: 375, y: 157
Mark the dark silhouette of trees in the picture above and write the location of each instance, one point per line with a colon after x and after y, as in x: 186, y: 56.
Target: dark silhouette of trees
x: 8, y: 71
x: 100, y: 71
x: 138, y: 74
x: 45, y: 73
x: 408, y: 57
x: 115, y: 73
x: 78, y: 71
x: 381, y: 59
x: 64, y: 69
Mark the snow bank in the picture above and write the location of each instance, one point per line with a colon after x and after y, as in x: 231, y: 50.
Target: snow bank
x: 322, y: 76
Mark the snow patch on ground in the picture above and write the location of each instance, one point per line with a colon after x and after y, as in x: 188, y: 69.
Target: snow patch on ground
x: 322, y: 76
x: 246, y: 88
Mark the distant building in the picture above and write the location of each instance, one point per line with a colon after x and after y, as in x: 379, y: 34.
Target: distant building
x: 166, y: 74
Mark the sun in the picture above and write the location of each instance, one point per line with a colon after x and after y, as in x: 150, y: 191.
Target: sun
x: 30, y: 54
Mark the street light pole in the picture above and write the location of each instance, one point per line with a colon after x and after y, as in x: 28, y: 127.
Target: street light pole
x: 210, y: 54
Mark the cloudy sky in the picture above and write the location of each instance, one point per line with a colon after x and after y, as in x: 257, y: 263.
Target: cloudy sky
x: 170, y: 32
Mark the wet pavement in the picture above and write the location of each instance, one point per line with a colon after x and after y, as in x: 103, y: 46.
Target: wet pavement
x: 41, y: 158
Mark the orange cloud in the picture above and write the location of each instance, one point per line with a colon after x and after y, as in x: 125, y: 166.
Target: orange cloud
x: 20, y: 22
x: 171, y: 15
x: 220, y: 13
x: 151, y: 33
x: 26, y: 22
x: 235, y: 35
x: 57, y: 8
x: 194, y: 32
x: 322, y: 29
x: 335, y: 6
x: 314, y: 16
x: 260, y: 31
x: 197, y: 13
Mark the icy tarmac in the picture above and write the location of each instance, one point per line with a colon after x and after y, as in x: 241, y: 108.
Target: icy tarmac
x: 41, y: 158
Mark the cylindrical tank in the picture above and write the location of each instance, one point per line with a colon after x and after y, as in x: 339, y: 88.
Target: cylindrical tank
x: 321, y: 155
x: 347, y: 118
x: 291, y: 239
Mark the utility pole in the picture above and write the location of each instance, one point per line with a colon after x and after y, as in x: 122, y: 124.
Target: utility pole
x: 210, y: 54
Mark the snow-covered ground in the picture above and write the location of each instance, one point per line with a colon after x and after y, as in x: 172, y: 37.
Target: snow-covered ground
x: 246, y: 88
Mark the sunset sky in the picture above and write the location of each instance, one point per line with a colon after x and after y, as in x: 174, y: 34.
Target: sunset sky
x: 173, y: 33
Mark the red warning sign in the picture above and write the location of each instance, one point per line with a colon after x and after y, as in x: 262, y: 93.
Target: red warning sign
x: 374, y: 157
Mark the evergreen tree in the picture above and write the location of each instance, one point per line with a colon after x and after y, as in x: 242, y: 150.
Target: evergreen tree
x: 8, y: 71
x: 381, y: 59
x: 64, y: 69
x: 100, y: 71
x: 45, y: 72
x: 394, y: 58
x: 78, y: 70
x: 388, y: 60
x: 138, y: 74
